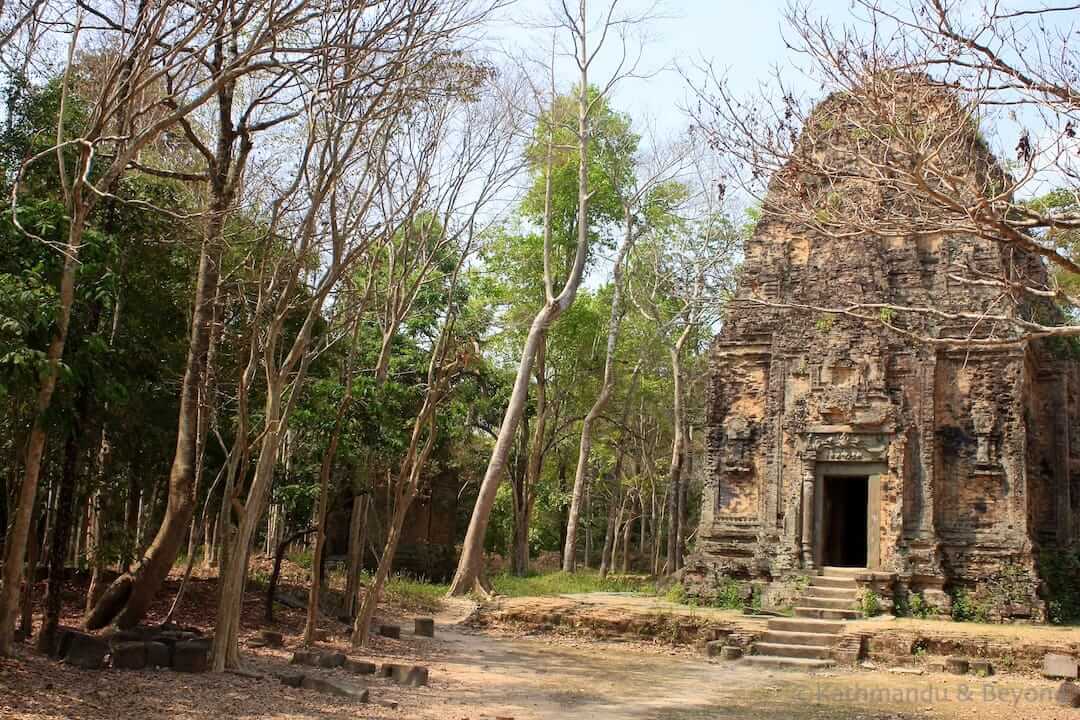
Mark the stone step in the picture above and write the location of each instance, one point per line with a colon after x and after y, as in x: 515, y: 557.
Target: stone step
x: 827, y: 613
x: 827, y: 603
x: 832, y: 592
x: 845, y: 572
x: 786, y: 637
x: 806, y: 625
x: 788, y: 663
x: 833, y: 582
x: 792, y: 651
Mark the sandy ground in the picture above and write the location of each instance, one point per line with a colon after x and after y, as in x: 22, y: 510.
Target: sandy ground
x: 506, y: 675
x: 502, y: 673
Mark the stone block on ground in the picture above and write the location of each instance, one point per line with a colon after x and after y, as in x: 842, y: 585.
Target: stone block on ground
x: 330, y: 660
x: 1068, y: 695
x: 322, y: 635
x: 270, y: 638
x: 333, y: 687
x: 135, y: 634
x: 408, y: 675
x: 304, y: 657
x: 904, y: 670
x: 129, y: 655
x: 936, y: 667
x: 84, y: 651
x: 60, y: 638
x: 982, y: 668
x: 290, y: 679
x: 424, y: 627
x: 191, y: 656
x: 390, y: 631
x: 158, y: 654
x: 957, y: 665
x: 730, y: 652
x: 1060, y: 666
x: 359, y: 667
x: 713, y: 648
x: 171, y: 637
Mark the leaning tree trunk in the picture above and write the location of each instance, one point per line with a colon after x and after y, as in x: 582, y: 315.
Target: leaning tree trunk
x: 470, y: 566
x: 129, y: 597
x: 403, y: 492
x: 469, y: 574
x: 362, y: 624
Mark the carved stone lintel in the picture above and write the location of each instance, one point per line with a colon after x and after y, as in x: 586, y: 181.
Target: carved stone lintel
x: 846, y: 447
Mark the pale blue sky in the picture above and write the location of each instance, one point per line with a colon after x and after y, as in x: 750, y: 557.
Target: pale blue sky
x: 744, y: 41
x: 743, y: 38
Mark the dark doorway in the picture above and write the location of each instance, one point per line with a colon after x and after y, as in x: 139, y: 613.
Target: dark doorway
x: 845, y: 516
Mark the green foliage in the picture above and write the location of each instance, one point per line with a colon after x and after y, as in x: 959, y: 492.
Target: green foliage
x: 870, y: 603
x: 728, y: 594
x: 304, y: 558
x: 561, y: 583
x: 677, y: 594
x: 411, y: 593
x: 824, y: 324
x: 914, y: 605
x: 1060, y: 570
x: 966, y: 607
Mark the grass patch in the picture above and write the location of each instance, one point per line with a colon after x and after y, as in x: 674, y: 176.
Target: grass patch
x: 562, y: 583
x: 411, y: 593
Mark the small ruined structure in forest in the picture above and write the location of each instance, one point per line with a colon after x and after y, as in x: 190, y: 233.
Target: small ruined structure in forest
x: 838, y: 442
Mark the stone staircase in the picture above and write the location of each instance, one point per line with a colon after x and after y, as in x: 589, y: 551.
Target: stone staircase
x: 806, y: 641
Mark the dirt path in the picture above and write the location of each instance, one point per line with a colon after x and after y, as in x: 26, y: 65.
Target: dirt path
x: 527, y: 678
x: 561, y: 677
x: 500, y: 673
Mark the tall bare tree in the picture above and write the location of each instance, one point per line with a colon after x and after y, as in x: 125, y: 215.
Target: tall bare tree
x: 576, y: 23
x: 325, y: 219
x: 221, y: 145
x: 150, y: 79
x: 651, y: 195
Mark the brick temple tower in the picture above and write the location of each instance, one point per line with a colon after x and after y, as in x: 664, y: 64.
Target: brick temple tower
x: 833, y: 441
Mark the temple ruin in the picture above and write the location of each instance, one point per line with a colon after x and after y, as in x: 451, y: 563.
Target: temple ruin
x: 833, y: 441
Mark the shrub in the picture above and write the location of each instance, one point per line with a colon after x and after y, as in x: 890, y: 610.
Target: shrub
x: 729, y: 594
x: 677, y: 594
x: 1061, y: 574
x: 914, y: 605
x: 966, y: 607
x: 870, y: 603
x: 562, y: 583
x: 303, y: 558
x: 415, y: 593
